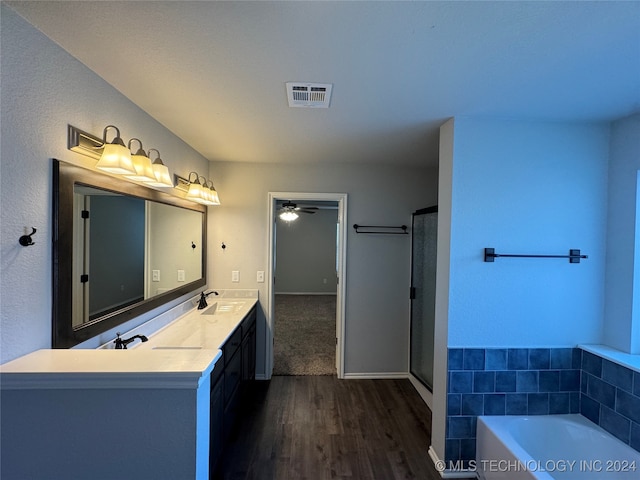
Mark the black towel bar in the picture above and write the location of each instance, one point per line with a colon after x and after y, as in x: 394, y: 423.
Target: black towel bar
x: 574, y: 255
x: 381, y: 229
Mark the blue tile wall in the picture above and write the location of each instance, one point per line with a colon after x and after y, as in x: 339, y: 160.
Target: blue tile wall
x: 507, y: 381
x: 537, y: 381
x: 610, y: 397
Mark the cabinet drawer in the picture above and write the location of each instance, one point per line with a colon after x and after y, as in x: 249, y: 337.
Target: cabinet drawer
x: 232, y: 345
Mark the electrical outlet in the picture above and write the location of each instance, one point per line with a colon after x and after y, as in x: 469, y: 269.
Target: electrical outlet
x: 235, y: 276
x: 181, y: 275
x: 260, y: 276
x: 155, y: 275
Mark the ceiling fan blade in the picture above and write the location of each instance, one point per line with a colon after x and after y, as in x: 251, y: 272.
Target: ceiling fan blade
x: 306, y: 210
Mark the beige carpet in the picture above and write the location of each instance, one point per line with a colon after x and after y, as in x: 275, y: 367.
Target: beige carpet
x: 305, y: 335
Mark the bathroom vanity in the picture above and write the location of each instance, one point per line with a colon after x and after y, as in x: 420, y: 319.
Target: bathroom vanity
x: 161, y: 409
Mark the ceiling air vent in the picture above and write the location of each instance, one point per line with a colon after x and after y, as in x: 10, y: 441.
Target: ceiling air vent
x: 309, y: 95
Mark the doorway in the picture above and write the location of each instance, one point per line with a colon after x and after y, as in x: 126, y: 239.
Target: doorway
x: 275, y: 202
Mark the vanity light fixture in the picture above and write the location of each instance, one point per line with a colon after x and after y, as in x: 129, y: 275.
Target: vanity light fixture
x: 115, y: 158
x: 196, y: 190
x: 161, y: 173
x: 202, y: 191
x: 141, y: 164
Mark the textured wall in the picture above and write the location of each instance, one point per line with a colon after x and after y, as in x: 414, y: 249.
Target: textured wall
x: 43, y: 90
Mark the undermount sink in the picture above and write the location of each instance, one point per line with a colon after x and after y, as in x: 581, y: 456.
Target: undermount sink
x: 176, y: 348
x: 222, y: 307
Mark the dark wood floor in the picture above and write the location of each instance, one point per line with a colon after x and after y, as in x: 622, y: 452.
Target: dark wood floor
x: 319, y: 427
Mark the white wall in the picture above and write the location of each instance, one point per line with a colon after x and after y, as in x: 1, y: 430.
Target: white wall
x: 378, y: 267
x: 43, y: 90
x: 622, y: 293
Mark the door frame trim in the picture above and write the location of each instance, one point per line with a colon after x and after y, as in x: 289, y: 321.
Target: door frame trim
x: 341, y: 252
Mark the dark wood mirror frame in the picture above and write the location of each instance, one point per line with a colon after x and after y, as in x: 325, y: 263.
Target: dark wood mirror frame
x: 65, y: 177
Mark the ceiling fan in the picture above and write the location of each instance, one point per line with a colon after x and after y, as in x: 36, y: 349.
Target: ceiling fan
x: 289, y: 211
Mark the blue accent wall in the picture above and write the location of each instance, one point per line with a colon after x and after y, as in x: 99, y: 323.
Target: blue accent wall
x: 529, y: 188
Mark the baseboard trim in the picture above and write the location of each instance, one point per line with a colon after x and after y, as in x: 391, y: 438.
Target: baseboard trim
x: 445, y: 472
x: 375, y: 375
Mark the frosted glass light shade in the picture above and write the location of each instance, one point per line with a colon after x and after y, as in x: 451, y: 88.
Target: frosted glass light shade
x: 214, y: 197
x: 116, y: 158
x: 288, y: 216
x: 162, y: 176
x: 195, y: 192
x: 144, y: 169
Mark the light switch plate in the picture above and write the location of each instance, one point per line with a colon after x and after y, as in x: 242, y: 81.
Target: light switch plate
x: 235, y: 276
x: 181, y: 275
x: 155, y: 275
x: 260, y: 276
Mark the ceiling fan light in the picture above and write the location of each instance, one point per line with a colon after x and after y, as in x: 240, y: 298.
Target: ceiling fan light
x: 288, y: 216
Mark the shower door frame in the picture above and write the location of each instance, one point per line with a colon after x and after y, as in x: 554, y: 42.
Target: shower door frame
x: 425, y: 391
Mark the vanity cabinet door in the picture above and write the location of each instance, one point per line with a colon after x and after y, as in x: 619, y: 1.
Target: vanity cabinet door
x: 249, y: 355
x: 216, y: 426
x: 232, y: 373
x: 231, y: 345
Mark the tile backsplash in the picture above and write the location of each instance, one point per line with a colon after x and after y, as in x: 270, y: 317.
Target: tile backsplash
x: 610, y: 397
x: 537, y: 381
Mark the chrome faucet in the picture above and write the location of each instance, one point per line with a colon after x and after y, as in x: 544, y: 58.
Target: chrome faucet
x: 121, y: 344
x: 203, y: 299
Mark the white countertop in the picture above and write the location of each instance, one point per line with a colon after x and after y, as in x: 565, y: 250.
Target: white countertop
x: 198, y: 329
x: 180, y: 355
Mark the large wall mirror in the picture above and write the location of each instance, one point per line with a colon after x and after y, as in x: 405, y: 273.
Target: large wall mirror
x: 119, y: 250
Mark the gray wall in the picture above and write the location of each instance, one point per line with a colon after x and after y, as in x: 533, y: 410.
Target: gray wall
x: 306, y: 253
x: 43, y: 90
x: 378, y: 266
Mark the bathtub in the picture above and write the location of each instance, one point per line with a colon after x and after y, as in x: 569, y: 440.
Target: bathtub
x: 549, y: 447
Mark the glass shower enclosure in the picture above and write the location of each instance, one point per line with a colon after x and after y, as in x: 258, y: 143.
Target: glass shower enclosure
x: 423, y: 293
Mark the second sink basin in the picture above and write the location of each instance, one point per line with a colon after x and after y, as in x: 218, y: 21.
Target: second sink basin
x: 222, y: 307
x: 176, y: 348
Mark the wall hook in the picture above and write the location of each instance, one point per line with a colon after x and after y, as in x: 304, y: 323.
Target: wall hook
x: 223, y: 246
x: 193, y: 245
x: 26, y: 240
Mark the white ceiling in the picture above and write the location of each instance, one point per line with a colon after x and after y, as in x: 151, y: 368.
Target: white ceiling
x: 214, y: 72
